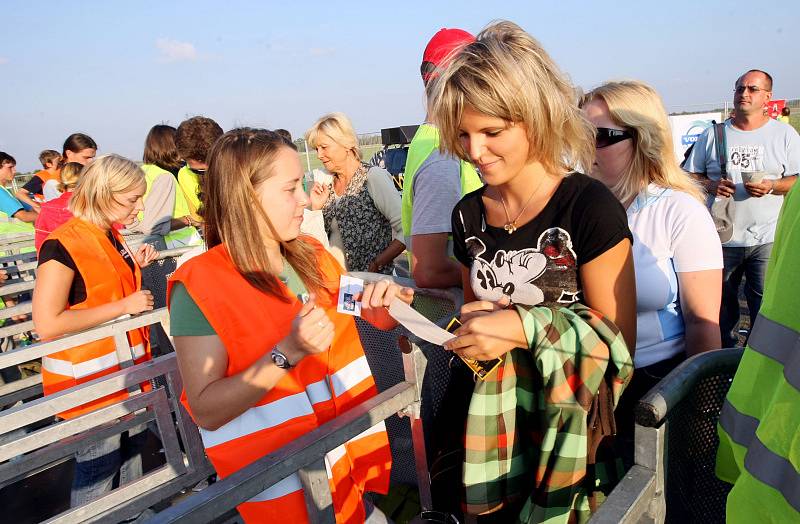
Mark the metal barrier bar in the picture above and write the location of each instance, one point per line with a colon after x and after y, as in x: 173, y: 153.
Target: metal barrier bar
x: 414, y: 363
x: 17, y: 258
x: 244, y: 484
x: 317, y: 493
x: 42, y: 349
x: 23, y: 308
x: 71, y: 427
x: 17, y: 287
x: 641, y: 494
x: 112, y: 501
x: 21, y: 389
x: 175, y: 252
x: 45, y: 457
x: 52, y: 405
x: 629, y: 500
x: 16, y: 329
x: 653, y: 407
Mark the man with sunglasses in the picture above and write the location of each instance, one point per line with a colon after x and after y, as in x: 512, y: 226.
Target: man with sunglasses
x: 763, y: 159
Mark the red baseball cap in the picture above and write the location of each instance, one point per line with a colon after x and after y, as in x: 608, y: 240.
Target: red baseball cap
x: 440, y: 47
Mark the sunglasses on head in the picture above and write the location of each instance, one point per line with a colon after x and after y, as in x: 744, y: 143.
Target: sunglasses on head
x: 608, y: 137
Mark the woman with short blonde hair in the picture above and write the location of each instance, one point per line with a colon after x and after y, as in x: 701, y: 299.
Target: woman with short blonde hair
x: 338, y: 128
x: 95, y: 197
x: 87, y: 276
x: 677, y: 253
x: 539, y: 233
x: 508, y: 75
x: 360, y: 207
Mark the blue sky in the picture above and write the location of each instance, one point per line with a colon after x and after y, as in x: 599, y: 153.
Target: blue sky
x: 113, y: 69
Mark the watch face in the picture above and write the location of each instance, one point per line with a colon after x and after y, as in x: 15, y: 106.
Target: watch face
x: 280, y: 360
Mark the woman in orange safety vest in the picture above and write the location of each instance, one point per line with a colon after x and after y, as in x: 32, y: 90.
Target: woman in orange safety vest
x: 88, y: 276
x: 263, y: 353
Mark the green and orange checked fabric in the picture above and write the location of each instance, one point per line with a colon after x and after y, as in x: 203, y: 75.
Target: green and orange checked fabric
x: 527, y: 436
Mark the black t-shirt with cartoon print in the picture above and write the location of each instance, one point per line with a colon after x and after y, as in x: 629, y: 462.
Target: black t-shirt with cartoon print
x: 539, y: 262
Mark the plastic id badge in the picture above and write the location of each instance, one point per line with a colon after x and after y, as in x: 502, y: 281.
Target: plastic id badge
x: 350, y: 289
x: 481, y: 368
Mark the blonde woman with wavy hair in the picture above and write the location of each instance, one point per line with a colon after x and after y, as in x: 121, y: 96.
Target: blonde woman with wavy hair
x: 264, y: 354
x: 87, y: 276
x: 677, y: 253
x: 538, y: 233
x: 637, y: 108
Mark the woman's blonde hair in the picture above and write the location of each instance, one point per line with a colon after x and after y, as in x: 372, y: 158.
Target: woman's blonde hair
x: 70, y: 174
x: 339, y: 129
x: 93, y: 198
x: 238, y: 162
x: 637, y: 107
x: 505, y: 73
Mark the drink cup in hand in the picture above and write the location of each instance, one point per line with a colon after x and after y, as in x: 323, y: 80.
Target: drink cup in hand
x: 752, y: 177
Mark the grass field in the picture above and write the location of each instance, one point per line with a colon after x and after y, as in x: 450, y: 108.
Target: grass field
x: 366, y: 154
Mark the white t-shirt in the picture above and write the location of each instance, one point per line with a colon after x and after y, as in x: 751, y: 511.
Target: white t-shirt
x: 773, y: 149
x: 50, y: 190
x: 672, y: 233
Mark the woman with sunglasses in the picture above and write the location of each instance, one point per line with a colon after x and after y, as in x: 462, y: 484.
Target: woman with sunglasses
x: 537, y: 234
x: 676, y: 250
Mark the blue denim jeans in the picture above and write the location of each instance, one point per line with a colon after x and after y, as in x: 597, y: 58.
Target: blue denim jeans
x: 750, y: 262
x: 98, y: 464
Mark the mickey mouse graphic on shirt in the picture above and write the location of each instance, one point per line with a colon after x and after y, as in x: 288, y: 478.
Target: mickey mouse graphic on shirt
x: 530, y: 276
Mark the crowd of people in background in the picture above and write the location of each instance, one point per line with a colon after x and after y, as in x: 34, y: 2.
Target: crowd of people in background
x: 554, y: 212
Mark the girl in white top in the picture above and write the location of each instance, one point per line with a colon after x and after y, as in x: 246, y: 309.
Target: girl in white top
x: 676, y: 250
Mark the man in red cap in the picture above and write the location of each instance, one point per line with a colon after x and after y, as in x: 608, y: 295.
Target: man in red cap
x: 433, y: 182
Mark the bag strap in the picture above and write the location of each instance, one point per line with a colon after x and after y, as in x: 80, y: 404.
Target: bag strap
x: 722, y: 148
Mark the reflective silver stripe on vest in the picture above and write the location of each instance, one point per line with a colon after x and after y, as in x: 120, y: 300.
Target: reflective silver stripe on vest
x: 280, y: 489
x: 740, y: 427
x: 781, y: 344
x: 774, y: 471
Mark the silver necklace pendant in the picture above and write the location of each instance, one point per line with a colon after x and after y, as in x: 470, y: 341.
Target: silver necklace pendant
x: 510, y: 227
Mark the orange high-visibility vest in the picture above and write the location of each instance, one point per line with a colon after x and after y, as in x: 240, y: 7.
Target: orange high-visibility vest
x: 321, y: 387
x: 108, y: 278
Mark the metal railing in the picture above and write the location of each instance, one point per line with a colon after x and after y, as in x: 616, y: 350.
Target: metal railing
x: 56, y: 443
x: 689, y: 397
x: 22, y: 270
x: 306, y: 455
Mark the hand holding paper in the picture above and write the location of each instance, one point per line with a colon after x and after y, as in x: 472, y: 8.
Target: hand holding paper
x: 427, y: 330
x: 418, y: 324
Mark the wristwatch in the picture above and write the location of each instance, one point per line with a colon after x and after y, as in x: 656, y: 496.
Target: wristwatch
x: 771, y: 187
x: 279, y: 359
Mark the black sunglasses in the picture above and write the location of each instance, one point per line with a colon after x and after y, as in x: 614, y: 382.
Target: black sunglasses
x: 608, y: 137
x: 198, y: 172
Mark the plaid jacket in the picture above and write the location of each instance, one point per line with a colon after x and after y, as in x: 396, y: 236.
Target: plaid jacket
x: 527, y: 437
